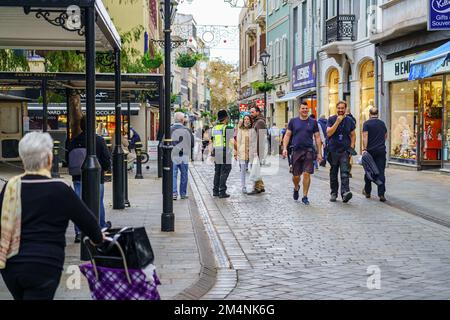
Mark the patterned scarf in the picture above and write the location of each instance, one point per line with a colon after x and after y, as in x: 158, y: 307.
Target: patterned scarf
x: 11, y: 218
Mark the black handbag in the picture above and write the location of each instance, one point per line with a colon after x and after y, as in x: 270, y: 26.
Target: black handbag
x: 135, y: 245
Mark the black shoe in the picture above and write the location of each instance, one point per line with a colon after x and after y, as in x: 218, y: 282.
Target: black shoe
x: 346, y: 197
x: 305, y: 201
x: 383, y: 199
x: 296, y: 195
x: 333, y: 197
x: 224, y: 196
x: 215, y: 194
x: 367, y: 195
x: 77, y: 238
x: 263, y: 190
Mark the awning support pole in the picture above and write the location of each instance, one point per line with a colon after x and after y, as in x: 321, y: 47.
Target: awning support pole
x: 91, y: 169
x: 118, y: 154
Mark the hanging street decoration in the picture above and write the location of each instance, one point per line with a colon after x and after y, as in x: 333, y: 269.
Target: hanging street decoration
x: 211, y: 35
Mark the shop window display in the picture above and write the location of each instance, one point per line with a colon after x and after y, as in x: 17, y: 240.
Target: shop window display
x: 404, y: 117
x: 367, y: 80
x: 446, y: 136
x: 333, y: 91
x: 432, y: 119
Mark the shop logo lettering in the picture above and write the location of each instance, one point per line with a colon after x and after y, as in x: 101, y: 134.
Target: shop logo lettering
x: 441, y: 6
x: 303, y: 73
x: 402, y: 68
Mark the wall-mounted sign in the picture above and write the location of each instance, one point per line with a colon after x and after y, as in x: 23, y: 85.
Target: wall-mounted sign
x: 398, y: 69
x: 304, y: 76
x: 260, y: 103
x: 438, y: 15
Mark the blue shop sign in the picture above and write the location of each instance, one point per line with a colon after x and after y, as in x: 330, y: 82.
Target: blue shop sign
x: 438, y: 15
x: 304, y: 76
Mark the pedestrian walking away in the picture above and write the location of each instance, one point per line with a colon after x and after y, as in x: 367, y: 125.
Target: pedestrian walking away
x: 77, y: 154
x: 260, y: 136
x: 341, y: 143
x: 303, y: 131
x: 183, y: 142
x: 35, y: 213
x: 374, y: 143
x: 242, y: 148
x: 223, y: 144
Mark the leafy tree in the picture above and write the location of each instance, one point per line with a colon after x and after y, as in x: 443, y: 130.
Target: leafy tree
x: 13, y: 60
x: 223, y: 81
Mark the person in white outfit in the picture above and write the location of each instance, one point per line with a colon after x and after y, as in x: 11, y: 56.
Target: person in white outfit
x: 242, y: 148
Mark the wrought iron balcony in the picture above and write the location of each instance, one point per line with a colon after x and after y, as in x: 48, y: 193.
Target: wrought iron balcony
x: 341, y: 28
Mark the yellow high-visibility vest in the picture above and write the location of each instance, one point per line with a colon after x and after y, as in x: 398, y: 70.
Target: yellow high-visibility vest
x: 219, y: 135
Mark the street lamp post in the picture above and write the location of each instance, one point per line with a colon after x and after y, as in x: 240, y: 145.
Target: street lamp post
x: 167, y: 217
x: 264, y: 58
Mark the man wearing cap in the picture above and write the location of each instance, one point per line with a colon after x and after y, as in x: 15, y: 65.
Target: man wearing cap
x: 223, y: 140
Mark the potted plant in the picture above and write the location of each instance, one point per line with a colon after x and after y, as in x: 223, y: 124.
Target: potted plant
x: 188, y: 60
x: 153, y: 62
x: 261, y: 86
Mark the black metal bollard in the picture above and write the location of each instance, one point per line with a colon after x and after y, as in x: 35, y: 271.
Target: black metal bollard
x: 139, y: 161
x: 55, y: 164
x: 125, y: 179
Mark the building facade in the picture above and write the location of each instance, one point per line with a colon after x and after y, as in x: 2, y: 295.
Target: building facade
x: 252, y: 42
x: 346, y: 58
x: 190, y: 84
x: 279, y: 71
x: 417, y: 112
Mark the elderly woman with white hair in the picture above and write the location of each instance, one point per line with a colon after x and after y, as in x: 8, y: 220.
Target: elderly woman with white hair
x: 35, y: 213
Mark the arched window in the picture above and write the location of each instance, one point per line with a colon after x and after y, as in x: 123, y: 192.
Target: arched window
x: 333, y: 91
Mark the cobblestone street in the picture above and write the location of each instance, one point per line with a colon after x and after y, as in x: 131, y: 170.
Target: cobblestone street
x: 274, y: 248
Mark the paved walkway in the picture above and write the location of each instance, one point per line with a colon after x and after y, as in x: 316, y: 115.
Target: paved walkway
x: 274, y: 248
x: 176, y: 254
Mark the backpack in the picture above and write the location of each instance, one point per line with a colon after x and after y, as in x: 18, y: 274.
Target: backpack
x: 76, y: 159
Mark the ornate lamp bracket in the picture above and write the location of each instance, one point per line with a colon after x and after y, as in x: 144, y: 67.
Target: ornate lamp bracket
x: 66, y: 19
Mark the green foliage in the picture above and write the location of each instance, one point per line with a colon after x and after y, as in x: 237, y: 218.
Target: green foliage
x: 53, y: 97
x: 184, y: 110
x: 153, y: 62
x: 188, y: 60
x: 173, y: 98
x: 233, y: 111
x: 263, y: 86
x: 64, y: 61
x: 206, y: 114
x: 11, y: 61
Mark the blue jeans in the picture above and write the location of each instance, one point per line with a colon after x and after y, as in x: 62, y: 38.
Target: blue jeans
x: 183, y: 167
x: 77, y: 188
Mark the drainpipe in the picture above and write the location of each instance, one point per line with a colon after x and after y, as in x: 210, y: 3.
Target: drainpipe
x: 377, y: 88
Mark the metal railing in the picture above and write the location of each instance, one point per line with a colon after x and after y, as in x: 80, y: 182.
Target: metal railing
x: 341, y: 28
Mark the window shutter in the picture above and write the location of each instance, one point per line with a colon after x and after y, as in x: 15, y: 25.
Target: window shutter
x: 284, y: 56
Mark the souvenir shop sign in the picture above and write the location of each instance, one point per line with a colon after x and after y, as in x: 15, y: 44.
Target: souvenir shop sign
x: 438, y: 15
x: 398, y: 69
x: 304, y: 76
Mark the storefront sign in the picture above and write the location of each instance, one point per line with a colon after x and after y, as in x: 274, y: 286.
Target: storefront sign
x: 399, y: 69
x: 242, y: 107
x: 438, y: 15
x: 304, y: 76
x: 260, y: 103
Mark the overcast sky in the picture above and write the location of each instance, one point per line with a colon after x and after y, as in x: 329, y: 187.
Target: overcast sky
x: 216, y: 12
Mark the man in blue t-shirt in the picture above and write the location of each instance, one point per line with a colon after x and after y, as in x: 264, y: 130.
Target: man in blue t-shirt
x: 341, y: 144
x: 374, y: 142
x: 300, y: 134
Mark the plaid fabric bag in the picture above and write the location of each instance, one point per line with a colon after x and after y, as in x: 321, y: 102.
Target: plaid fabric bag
x: 120, y: 284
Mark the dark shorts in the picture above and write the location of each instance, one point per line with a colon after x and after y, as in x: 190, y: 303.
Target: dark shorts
x: 303, y: 161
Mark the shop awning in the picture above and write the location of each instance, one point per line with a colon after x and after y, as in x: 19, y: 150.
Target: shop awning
x: 295, y: 95
x: 428, y: 63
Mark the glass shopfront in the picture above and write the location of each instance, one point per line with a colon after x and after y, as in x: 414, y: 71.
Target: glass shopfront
x: 367, y: 82
x: 333, y: 92
x: 419, y: 126
x: 404, y: 103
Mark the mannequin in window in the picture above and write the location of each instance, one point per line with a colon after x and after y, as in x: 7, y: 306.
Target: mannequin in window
x: 365, y: 113
x: 401, y: 136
